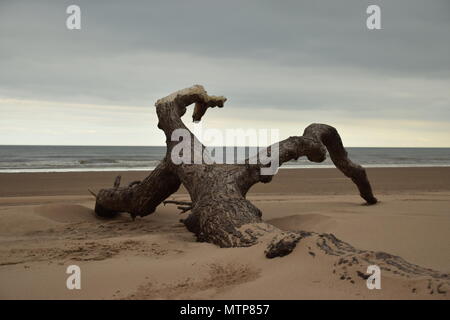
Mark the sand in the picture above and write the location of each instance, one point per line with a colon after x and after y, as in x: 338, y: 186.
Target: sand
x: 47, y: 223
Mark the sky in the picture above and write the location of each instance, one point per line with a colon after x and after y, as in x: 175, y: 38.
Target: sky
x: 281, y: 64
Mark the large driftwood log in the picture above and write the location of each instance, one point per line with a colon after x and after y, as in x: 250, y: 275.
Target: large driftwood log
x: 220, y: 212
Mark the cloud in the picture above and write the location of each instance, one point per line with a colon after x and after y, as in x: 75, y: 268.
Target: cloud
x: 277, y: 62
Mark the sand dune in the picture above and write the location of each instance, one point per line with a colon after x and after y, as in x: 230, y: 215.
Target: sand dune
x: 66, y: 213
x: 157, y: 258
x: 317, y: 222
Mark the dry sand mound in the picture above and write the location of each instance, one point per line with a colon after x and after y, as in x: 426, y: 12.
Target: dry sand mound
x: 312, y: 222
x: 66, y: 213
x: 156, y: 257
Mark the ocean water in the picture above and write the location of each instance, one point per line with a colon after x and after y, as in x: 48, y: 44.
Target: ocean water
x: 118, y: 158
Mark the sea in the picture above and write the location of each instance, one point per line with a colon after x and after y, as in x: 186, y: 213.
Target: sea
x: 124, y: 158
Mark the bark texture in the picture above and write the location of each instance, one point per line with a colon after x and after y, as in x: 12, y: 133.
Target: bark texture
x: 220, y: 212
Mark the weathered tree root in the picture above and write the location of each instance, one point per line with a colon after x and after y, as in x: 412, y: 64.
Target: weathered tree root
x: 282, y: 244
x: 220, y: 212
x: 138, y: 198
x: 352, y: 262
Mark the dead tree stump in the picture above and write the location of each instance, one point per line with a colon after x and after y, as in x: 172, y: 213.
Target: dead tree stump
x: 220, y: 212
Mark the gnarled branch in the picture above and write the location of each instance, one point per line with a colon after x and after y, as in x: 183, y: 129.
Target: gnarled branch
x: 220, y: 212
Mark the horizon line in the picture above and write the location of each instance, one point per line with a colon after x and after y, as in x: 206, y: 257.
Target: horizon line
x: 80, y: 145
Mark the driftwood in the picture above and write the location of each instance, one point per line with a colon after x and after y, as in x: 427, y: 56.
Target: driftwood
x: 220, y: 212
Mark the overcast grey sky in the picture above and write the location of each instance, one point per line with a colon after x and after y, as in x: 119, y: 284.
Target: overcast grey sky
x: 281, y: 64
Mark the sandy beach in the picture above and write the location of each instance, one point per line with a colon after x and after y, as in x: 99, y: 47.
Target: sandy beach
x: 47, y: 223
